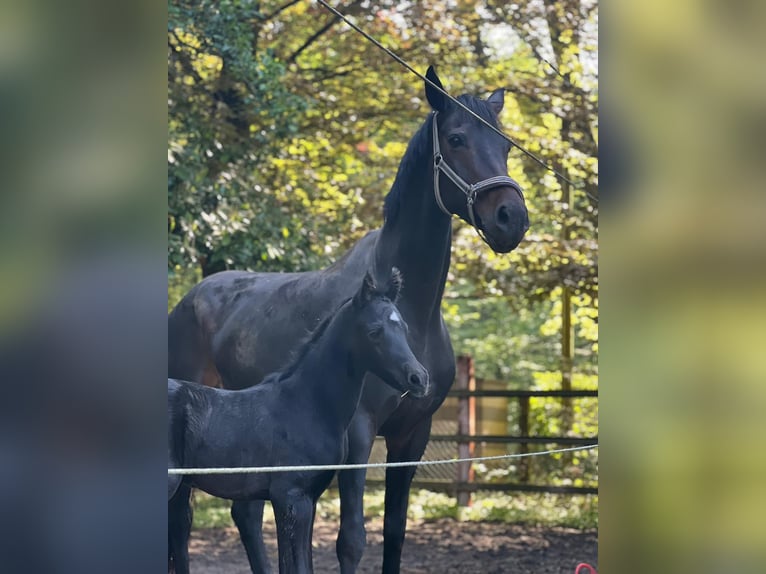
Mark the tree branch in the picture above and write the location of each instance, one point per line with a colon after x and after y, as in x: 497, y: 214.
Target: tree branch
x: 183, y: 58
x: 311, y: 39
x: 282, y: 8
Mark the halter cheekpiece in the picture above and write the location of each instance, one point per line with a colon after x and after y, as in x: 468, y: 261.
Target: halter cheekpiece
x: 471, y: 191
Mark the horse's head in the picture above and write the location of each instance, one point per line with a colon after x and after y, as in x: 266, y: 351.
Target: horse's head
x: 472, y: 181
x: 381, y: 334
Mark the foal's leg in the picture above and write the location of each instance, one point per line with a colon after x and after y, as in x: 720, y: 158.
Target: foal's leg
x: 248, y: 516
x: 294, y: 512
x: 398, y: 481
x: 179, y: 529
x: 352, y: 537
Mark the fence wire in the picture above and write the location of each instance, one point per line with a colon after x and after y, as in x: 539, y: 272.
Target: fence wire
x: 323, y: 467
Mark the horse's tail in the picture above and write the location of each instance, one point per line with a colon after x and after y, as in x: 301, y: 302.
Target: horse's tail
x: 187, y: 346
x: 179, y: 508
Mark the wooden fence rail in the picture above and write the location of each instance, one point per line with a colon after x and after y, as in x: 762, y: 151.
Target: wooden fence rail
x: 466, y: 392
x: 475, y: 418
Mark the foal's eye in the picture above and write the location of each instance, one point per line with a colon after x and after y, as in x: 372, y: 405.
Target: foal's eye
x: 456, y: 140
x: 376, y: 332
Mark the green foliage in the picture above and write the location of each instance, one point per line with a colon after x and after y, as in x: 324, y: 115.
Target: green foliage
x: 180, y: 281
x: 506, y: 343
x: 211, y: 512
x: 228, y: 111
x: 574, y: 511
x: 519, y: 507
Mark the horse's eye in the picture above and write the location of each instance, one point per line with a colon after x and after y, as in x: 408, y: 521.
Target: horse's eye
x: 456, y: 140
x: 376, y: 332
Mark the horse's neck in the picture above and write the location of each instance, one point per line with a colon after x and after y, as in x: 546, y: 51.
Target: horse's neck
x: 417, y: 237
x: 327, y: 376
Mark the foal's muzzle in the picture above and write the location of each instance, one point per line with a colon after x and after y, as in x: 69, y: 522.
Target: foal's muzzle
x: 417, y: 382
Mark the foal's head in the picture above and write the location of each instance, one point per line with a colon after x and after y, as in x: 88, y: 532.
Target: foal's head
x: 476, y: 154
x: 381, y: 334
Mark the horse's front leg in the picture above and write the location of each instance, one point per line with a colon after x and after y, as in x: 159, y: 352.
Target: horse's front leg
x: 352, y: 536
x: 294, y: 513
x: 248, y: 516
x: 398, y: 480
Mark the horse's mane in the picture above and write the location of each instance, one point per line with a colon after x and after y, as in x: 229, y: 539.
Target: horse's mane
x: 478, y: 106
x: 421, y: 145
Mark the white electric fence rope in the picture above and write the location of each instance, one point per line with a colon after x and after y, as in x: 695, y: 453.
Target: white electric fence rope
x: 320, y: 467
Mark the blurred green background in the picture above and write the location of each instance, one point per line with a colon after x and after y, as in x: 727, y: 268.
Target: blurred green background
x: 683, y: 244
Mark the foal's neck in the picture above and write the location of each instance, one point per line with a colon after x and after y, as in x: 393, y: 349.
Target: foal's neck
x: 416, y: 236
x: 329, y: 375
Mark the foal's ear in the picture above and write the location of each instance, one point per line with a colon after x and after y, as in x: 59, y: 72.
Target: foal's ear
x: 394, y: 285
x: 497, y: 100
x: 435, y: 97
x: 367, y: 290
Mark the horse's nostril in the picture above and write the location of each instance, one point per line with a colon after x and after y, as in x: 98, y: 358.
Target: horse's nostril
x: 414, y: 380
x: 503, y: 216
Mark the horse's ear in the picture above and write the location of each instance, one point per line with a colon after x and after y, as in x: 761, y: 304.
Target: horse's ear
x: 366, y: 291
x: 497, y: 100
x: 394, y: 285
x: 435, y: 97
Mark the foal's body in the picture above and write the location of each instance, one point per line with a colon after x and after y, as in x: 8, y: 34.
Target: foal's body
x: 238, y: 428
x: 296, y: 417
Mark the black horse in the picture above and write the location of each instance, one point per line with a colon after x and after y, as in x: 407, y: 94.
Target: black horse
x: 298, y: 416
x: 234, y: 327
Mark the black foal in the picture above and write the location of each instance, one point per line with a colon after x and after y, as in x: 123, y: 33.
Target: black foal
x: 298, y: 416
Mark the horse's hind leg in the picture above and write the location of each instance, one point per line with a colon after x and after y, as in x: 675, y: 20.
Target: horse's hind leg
x: 179, y: 529
x: 248, y: 516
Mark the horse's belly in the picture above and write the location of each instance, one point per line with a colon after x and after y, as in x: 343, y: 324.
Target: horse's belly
x: 234, y: 486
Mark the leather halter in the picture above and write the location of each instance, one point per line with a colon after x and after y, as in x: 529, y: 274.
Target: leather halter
x: 471, y: 191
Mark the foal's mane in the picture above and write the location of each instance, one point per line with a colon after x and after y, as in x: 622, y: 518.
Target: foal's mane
x: 303, y: 348
x: 313, y: 338
x: 420, y: 146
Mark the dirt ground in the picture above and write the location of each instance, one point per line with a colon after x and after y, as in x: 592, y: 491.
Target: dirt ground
x: 442, y: 547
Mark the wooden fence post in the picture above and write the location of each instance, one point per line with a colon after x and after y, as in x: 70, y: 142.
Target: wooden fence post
x: 524, y: 431
x: 466, y: 426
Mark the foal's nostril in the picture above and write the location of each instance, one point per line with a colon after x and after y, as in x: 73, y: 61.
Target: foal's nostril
x: 415, y: 380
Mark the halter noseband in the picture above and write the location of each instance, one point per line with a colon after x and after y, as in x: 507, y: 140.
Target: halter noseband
x: 471, y: 191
